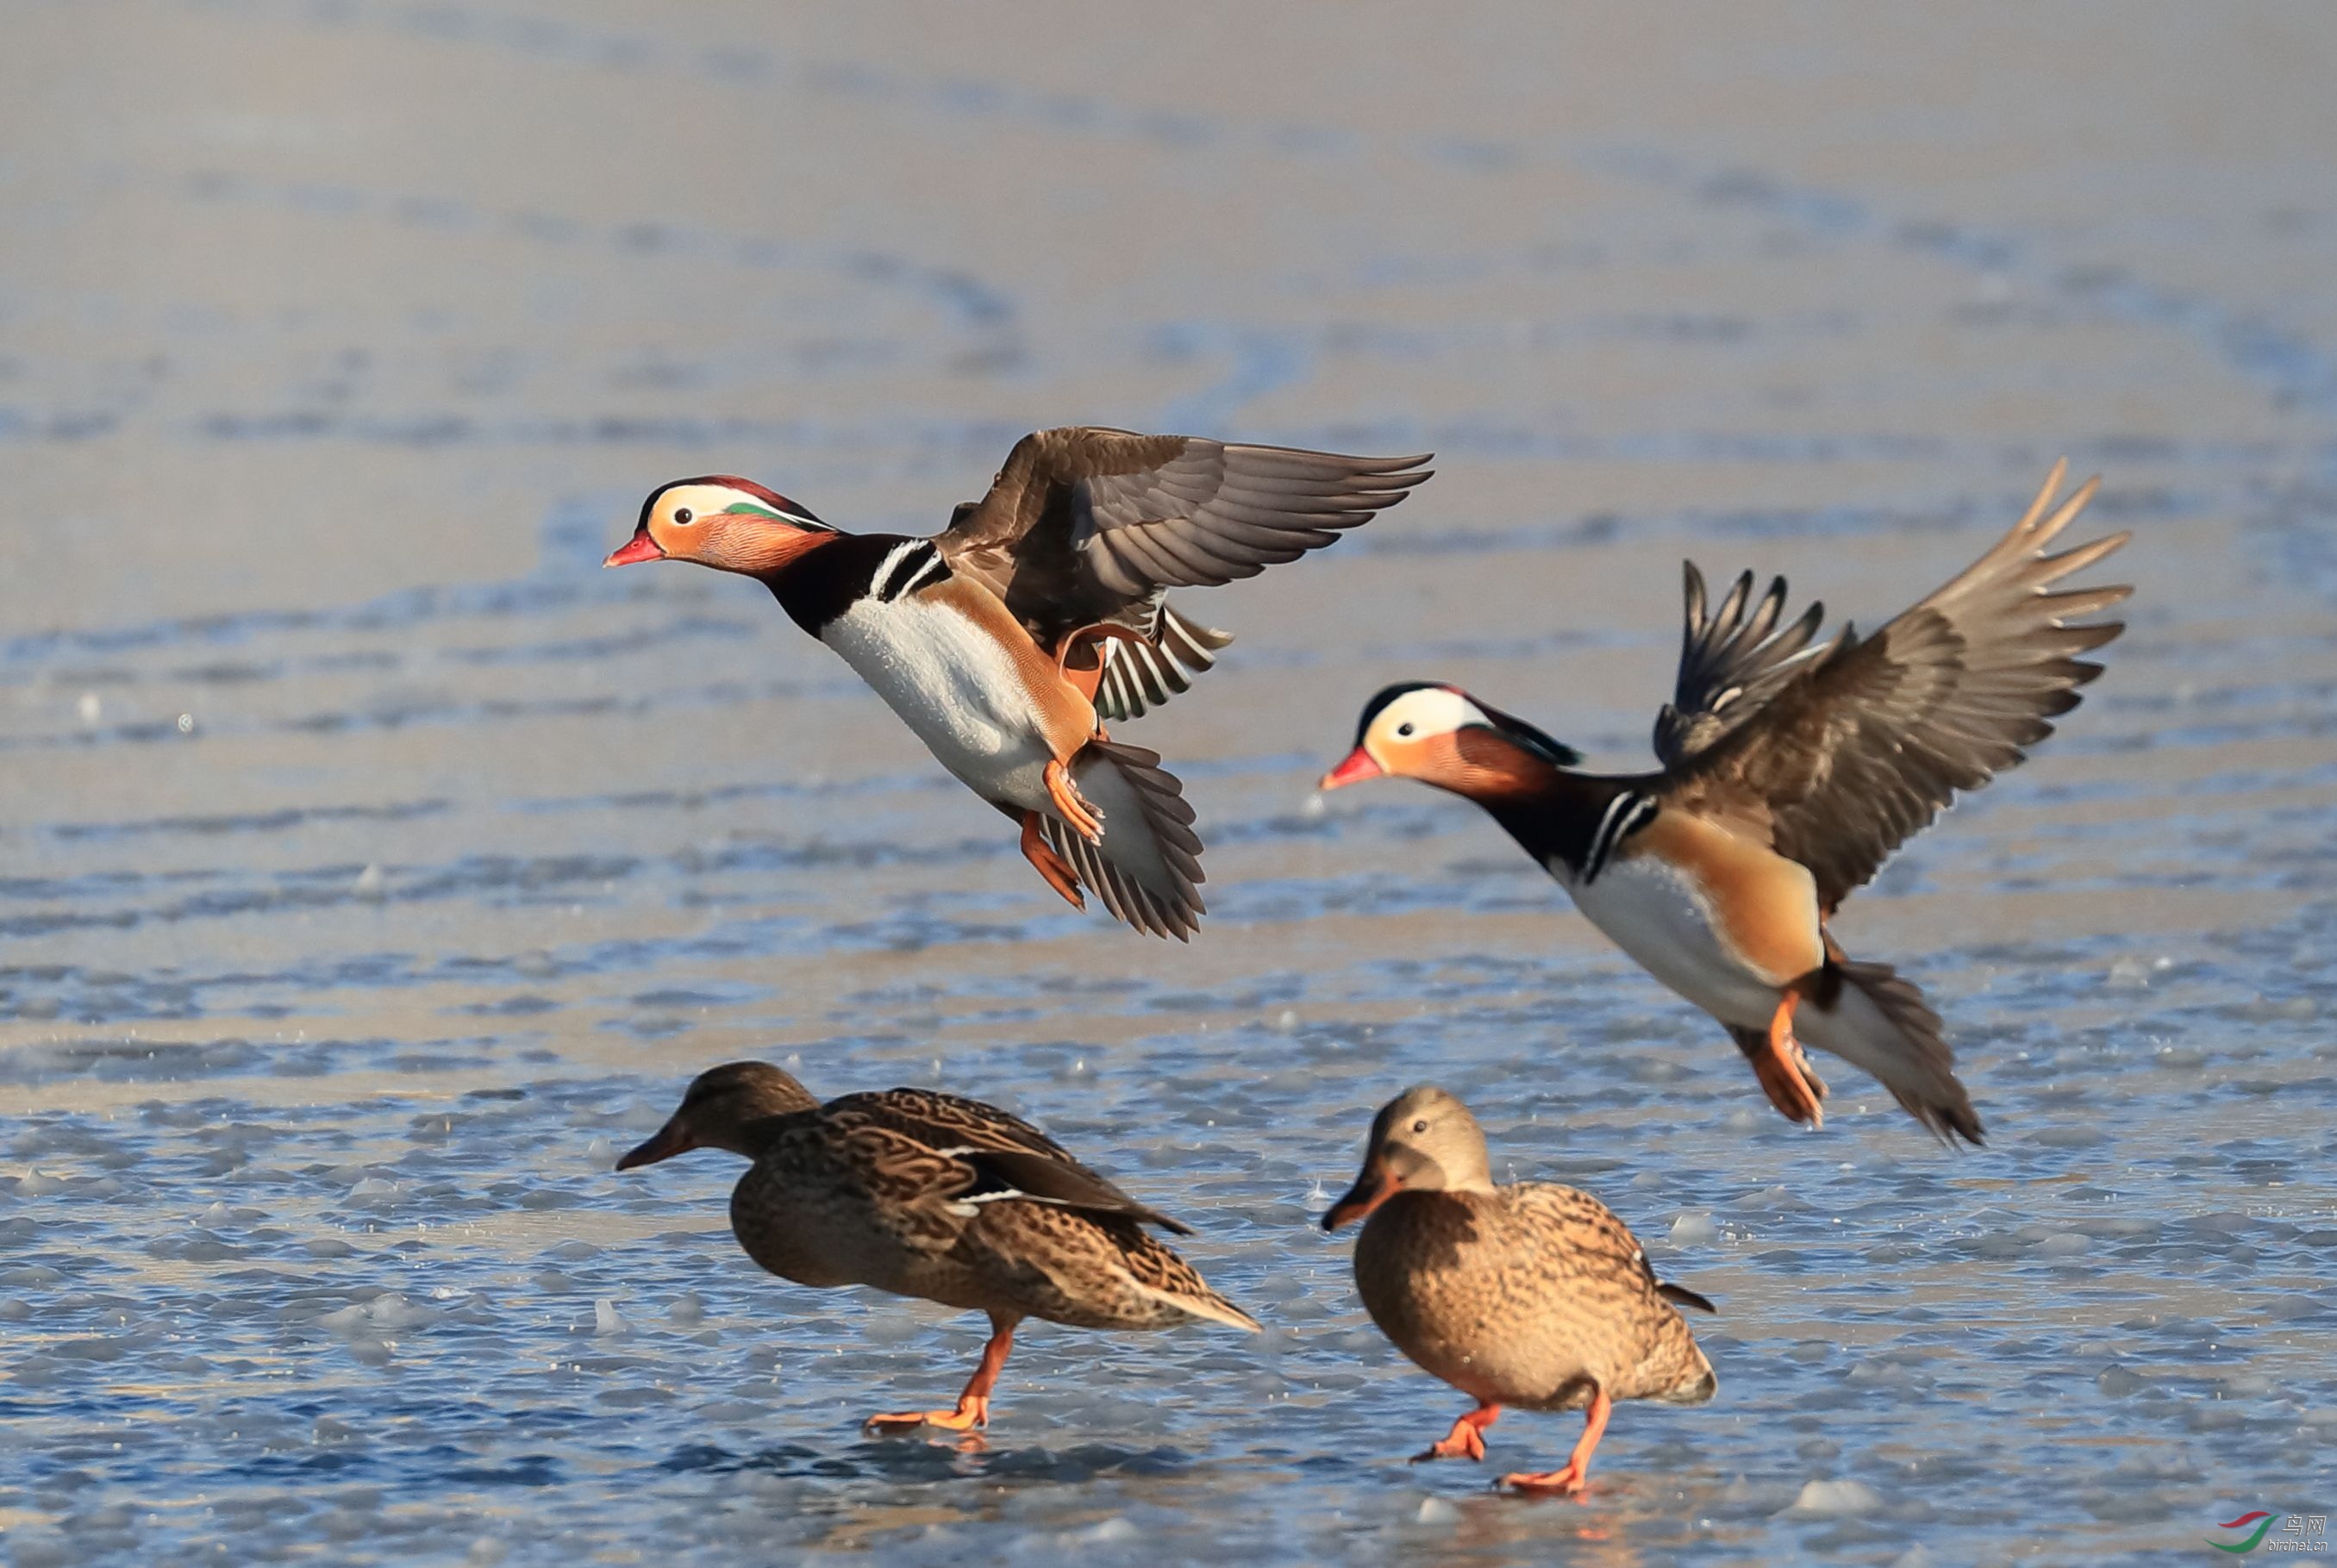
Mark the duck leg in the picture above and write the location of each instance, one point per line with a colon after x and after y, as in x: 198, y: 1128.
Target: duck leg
x: 1578, y: 1464
x: 1793, y: 1085
x: 1466, y: 1440
x: 1084, y: 820
x: 973, y: 1409
x: 1050, y: 866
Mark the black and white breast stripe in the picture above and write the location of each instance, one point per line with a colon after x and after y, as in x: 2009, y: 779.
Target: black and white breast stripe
x: 857, y: 568
x: 1625, y: 814
x: 910, y: 565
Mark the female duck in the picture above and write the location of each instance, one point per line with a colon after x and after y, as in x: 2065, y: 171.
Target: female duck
x: 920, y: 1193
x: 1532, y: 1295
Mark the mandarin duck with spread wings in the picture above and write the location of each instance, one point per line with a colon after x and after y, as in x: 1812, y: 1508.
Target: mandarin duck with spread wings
x: 1790, y: 773
x: 1005, y: 641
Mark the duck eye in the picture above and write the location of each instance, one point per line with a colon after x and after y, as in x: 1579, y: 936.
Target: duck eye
x: 1404, y: 728
x: 682, y: 515
x: 1420, y: 1125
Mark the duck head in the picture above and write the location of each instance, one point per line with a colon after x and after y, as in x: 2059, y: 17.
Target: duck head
x: 721, y: 1110
x: 721, y: 521
x: 1422, y: 1141
x: 1441, y: 735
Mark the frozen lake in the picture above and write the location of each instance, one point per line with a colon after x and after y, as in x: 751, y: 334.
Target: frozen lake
x: 374, y: 867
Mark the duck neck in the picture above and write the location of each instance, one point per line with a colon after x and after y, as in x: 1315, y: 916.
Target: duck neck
x: 757, y: 1138
x: 1554, y: 813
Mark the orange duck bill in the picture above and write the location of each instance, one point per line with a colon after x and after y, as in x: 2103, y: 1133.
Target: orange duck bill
x: 1375, y: 1187
x: 1358, y: 767
x: 673, y: 1137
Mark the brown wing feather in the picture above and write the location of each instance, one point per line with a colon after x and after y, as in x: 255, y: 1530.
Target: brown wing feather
x: 1085, y: 524
x: 1870, y: 740
x: 1732, y: 660
x: 1000, y: 1151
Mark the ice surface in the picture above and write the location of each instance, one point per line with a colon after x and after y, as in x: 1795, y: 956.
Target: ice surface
x: 343, y: 340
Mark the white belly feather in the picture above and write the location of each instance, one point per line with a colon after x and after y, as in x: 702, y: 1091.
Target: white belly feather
x: 1663, y: 920
x: 955, y: 687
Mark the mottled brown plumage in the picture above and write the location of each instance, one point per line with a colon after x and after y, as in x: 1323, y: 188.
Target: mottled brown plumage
x: 1086, y: 525
x: 1791, y: 773
x: 1532, y: 1294
x: 920, y: 1193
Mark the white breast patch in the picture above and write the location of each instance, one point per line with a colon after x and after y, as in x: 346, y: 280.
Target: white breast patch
x: 954, y: 686
x: 1662, y: 919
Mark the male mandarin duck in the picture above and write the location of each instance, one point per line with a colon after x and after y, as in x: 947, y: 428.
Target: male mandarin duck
x: 1532, y: 1294
x: 1005, y: 640
x: 920, y: 1193
x: 1790, y: 773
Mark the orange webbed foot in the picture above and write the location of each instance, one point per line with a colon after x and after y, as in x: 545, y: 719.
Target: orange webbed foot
x: 970, y: 1415
x: 1466, y: 1440
x: 1564, y: 1483
x: 1792, y: 1084
x: 1084, y: 820
x: 1050, y: 864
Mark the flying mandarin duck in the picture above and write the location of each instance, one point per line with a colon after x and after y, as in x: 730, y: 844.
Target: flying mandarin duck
x: 1790, y: 773
x: 1007, y: 641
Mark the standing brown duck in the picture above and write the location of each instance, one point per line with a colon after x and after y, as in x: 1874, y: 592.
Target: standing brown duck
x: 1791, y: 773
x: 920, y: 1193
x: 1532, y: 1294
x: 1007, y: 640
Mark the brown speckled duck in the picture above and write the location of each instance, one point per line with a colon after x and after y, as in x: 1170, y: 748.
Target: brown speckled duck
x: 1532, y: 1295
x: 920, y: 1193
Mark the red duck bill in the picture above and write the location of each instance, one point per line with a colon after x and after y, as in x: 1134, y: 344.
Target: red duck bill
x: 639, y: 547
x: 1357, y: 767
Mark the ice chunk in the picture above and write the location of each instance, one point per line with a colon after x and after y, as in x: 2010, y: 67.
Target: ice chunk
x: 394, y: 1311
x: 608, y: 1322
x: 1695, y: 1231
x: 387, y: 1313
x: 1836, y: 1500
x: 1436, y: 1511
